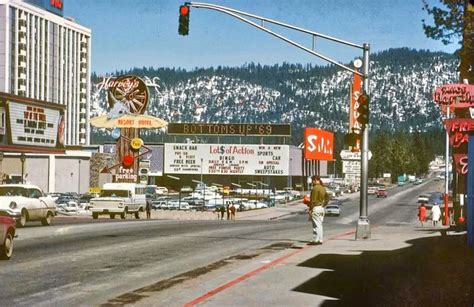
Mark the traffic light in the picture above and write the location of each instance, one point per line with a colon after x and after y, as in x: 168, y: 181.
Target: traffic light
x: 363, y: 109
x: 183, y: 20
x: 350, y: 139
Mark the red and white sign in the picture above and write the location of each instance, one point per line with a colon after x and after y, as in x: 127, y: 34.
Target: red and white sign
x: 458, y: 130
x: 356, y: 91
x: 318, y: 144
x: 455, y: 95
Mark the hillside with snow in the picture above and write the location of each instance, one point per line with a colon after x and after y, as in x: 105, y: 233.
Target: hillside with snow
x: 401, y: 85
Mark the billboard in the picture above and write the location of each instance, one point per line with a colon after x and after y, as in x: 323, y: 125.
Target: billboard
x: 318, y: 144
x: 34, y: 125
x: 54, y: 6
x: 229, y: 129
x: 227, y: 159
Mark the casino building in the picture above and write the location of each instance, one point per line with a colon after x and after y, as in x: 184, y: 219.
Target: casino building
x: 45, y: 66
x: 47, y: 57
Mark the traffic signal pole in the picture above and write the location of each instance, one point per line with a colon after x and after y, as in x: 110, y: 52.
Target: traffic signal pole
x: 363, y: 227
x: 363, y: 224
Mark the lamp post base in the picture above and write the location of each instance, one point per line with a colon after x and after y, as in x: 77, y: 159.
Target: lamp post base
x: 363, y: 228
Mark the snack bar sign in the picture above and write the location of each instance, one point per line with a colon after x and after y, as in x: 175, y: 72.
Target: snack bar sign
x: 227, y: 159
x: 32, y: 125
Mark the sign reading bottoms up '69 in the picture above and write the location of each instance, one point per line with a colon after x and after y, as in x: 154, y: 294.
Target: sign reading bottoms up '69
x: 227, y: 159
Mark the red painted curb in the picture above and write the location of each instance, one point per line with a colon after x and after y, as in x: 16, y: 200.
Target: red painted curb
x: 256, y: 271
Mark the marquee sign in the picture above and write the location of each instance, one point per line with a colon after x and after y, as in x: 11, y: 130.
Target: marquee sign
x: 318, y: 144
x: 227, y: 159
x: 32, y: 125
x: 229, y: 129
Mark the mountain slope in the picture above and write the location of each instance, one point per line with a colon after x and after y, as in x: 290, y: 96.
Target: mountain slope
x: 401, y: 84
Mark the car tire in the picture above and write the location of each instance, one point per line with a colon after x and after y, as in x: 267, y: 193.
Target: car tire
x: 46, y: 221
x: 137, y: 215
x: 95, y: 215
x: 123, y: 215
x: 112, y: 216
x: 6, y: 250
x: 23, y: 218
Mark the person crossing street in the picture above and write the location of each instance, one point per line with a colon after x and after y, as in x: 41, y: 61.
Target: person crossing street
x: 316, y: 210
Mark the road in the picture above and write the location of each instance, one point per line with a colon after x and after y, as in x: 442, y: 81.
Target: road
x: 89, y: 262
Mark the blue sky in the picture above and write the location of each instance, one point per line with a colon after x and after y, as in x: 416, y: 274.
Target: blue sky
x: 137, y: 33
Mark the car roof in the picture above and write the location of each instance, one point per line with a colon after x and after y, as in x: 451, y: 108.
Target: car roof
x: 26, y: 186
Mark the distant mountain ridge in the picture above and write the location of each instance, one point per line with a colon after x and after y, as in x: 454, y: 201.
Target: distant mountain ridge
x: 401, y: 86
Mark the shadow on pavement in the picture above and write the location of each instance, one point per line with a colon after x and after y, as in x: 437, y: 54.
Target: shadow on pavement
x: 433, y: 271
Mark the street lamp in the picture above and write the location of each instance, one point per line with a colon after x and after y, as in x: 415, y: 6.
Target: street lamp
x: 179, y: 191
x: 22, y: 159
x: 79, y: 177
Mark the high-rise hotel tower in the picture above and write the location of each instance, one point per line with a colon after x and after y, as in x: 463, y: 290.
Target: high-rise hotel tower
x: 47, y: 57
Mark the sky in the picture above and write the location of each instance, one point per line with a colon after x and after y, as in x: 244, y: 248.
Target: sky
x: 144, y: 33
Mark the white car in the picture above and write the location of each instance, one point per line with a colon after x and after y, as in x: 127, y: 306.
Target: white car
x: 26, y: 202
x: 332, y: 210
x: 161, y: 190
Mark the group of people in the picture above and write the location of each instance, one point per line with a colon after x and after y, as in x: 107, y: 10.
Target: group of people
x: 435, y: 214
x: 230, y: 209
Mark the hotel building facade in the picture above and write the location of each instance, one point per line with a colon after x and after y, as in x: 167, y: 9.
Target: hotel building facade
x: 47, y: 57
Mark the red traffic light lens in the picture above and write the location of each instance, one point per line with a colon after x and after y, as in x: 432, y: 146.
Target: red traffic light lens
x: 184, y: 10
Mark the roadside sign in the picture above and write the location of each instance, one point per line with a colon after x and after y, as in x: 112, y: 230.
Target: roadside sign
x: 349, y: 155
x: 351, y: 167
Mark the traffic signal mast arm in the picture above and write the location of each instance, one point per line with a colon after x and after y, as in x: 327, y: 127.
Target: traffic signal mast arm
x: 238, y: 14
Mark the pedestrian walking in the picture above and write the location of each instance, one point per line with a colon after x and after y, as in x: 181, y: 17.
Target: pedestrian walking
x: 222, y: 210
x: 232, y: 211
x: 316, y: 210
x: 228, y: 212
x: 148, y: 209
x: 422, y: 213
x: 435, y: 214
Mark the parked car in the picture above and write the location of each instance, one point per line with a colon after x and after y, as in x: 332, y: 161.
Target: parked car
x: 186, y: 189
x: 161, y: 190
x: 332, y: 210
x: 382, y: 193
x: 7, y: 234
x: 418, y: 181
x: 372, y: 190
x: 26, y: 202
x: 194, y: 203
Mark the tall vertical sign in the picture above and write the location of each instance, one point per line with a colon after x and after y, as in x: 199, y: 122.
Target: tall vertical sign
x: 354, y: 124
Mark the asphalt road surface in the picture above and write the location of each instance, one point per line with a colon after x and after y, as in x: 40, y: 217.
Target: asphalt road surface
x: 90, y: 262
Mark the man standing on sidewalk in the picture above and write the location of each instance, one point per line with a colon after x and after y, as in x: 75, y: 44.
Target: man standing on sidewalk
x: 316, y: 210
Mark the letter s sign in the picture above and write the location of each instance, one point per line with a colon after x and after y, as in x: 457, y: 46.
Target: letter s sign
x: 318, y: 144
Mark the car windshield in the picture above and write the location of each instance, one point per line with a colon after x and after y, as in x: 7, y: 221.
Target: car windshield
x: 13, y: 191
x: 332, y: 207
x: 114, y: 193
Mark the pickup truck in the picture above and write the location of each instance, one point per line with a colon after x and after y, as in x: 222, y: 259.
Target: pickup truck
x: 119, y: 199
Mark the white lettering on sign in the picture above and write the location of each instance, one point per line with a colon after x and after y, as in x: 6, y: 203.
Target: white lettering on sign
x: 319, y: 144
x: 34, y: 126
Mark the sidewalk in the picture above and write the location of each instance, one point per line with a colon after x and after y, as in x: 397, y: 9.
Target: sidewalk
x: 398, y: 266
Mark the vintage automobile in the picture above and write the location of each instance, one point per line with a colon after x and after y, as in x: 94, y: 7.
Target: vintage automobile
x: 382, y: 193
x: 332, y: 210
x: 26, y: 202
x: 7, y: 233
